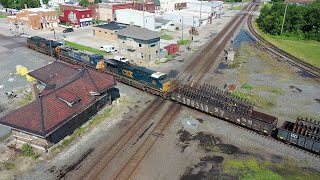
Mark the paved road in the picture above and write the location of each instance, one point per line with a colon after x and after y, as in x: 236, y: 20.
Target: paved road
x: 11, y: 30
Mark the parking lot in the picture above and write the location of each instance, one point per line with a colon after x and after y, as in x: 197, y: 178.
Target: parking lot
x: 13, y: 52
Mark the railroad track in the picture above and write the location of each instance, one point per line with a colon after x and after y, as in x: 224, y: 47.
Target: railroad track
x: 15, y: 40
x: 210, y: 49
x: 109, y: 156
x: 294, y: 61
x: 127, y: 171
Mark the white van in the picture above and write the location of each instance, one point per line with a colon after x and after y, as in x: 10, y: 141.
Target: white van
x: 108, y: 48
x: 121, y: 58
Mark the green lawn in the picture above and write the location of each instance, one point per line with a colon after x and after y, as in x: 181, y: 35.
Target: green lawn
x: 85, y: 48
x: 184, y: 42
x: 307, y: 50
x: 2, y: 16
x: 237, y: 8
x: 166, y: 37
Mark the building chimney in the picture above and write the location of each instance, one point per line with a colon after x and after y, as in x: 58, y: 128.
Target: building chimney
x: 131, y: 23
x: 34, y: 91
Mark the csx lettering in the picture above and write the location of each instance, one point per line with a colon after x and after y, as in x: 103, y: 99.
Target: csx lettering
x: 127, y: 73
x: 294, y: 136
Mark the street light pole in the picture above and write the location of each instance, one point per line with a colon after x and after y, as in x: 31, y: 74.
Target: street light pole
x: 200, y: 14
x: 284, y: 18
x: 182, y: 28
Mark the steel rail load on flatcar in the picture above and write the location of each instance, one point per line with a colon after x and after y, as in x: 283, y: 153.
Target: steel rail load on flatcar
x: 205, y: 98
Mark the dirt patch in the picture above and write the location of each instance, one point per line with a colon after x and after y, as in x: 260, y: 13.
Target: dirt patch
x: 295, y: 89
x: 63, y: 172
x: 209, y: 167
x: 142, y: 134
x: 228, y: 148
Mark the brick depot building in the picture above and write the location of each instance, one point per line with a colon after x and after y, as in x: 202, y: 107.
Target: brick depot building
x: 35, y: 18
x: 71, y: 96
x: 80, y: 17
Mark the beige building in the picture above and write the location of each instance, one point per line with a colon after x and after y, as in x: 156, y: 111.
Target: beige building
x: 108, y: 31
x: 105, y: 12
x: 139, y: 45
x: 35, y: 18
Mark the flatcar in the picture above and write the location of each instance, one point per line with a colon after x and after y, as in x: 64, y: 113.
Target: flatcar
x: 219, y: 103
x: 303, y: 133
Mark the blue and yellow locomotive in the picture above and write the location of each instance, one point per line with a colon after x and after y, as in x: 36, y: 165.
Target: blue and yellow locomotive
x: 143, y: 78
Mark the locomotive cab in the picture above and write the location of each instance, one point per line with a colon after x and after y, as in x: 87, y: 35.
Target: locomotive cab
x: 163, y: 81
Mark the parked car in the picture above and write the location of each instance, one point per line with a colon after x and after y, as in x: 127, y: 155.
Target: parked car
x: 68, y: 30
x: 121, y: 58
x: 108, y: 48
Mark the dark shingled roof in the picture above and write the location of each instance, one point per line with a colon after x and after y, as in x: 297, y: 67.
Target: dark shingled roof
x: 138, y: 33
x: 46, y: 114
x: 54, y: 72
x: 112, y: 26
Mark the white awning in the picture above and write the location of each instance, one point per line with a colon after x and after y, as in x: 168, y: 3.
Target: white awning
x: 85, y: 19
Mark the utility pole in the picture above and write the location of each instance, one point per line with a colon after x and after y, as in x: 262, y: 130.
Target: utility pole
x: 144, y: 25
x: 200, y: 14
x: 182, y: 28
x: 284, y: 18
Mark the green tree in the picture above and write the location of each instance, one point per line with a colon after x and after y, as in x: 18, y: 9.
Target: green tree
x: 97, y: 1
x: 84, y: 3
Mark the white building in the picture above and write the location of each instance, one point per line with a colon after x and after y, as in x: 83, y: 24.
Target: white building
x: 56, y: 2
x: 187, y: 17
x: 138, y: 18
x: 169, y: 5
x: 214, y: 7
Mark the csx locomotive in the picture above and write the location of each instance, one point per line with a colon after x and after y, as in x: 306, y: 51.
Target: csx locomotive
x: 137, y: 76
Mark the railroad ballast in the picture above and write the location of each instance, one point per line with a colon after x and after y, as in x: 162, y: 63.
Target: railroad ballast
x: 206, y: 98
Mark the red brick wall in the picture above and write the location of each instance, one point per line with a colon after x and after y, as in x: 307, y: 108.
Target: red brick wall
x: 78, y: 14
x: 93, y: 9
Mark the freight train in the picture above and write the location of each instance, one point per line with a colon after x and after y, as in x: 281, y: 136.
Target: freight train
x: 205, y: 98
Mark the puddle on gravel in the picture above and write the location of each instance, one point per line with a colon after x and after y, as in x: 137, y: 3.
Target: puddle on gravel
x: 223, y: 66
x: 173, y: 74
x: 318, y: 100
x: 243, y: 36
x: 207, y: 142
x: 305, y: 74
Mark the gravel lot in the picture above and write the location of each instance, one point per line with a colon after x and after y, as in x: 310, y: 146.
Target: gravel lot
x: 170, y: 158
x: 277, y: 87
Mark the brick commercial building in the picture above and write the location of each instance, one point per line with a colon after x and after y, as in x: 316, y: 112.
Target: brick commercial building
x: 93, y: 7
x: 108, y: 31
x: 139, y: 45
x: 35, y: 18
x: 81, y: 17
x: 71, y: 96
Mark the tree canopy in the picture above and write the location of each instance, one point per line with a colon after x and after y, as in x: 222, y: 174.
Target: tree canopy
x: 84, y: 3
x: 301, y: 20
x: 19, y: 4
